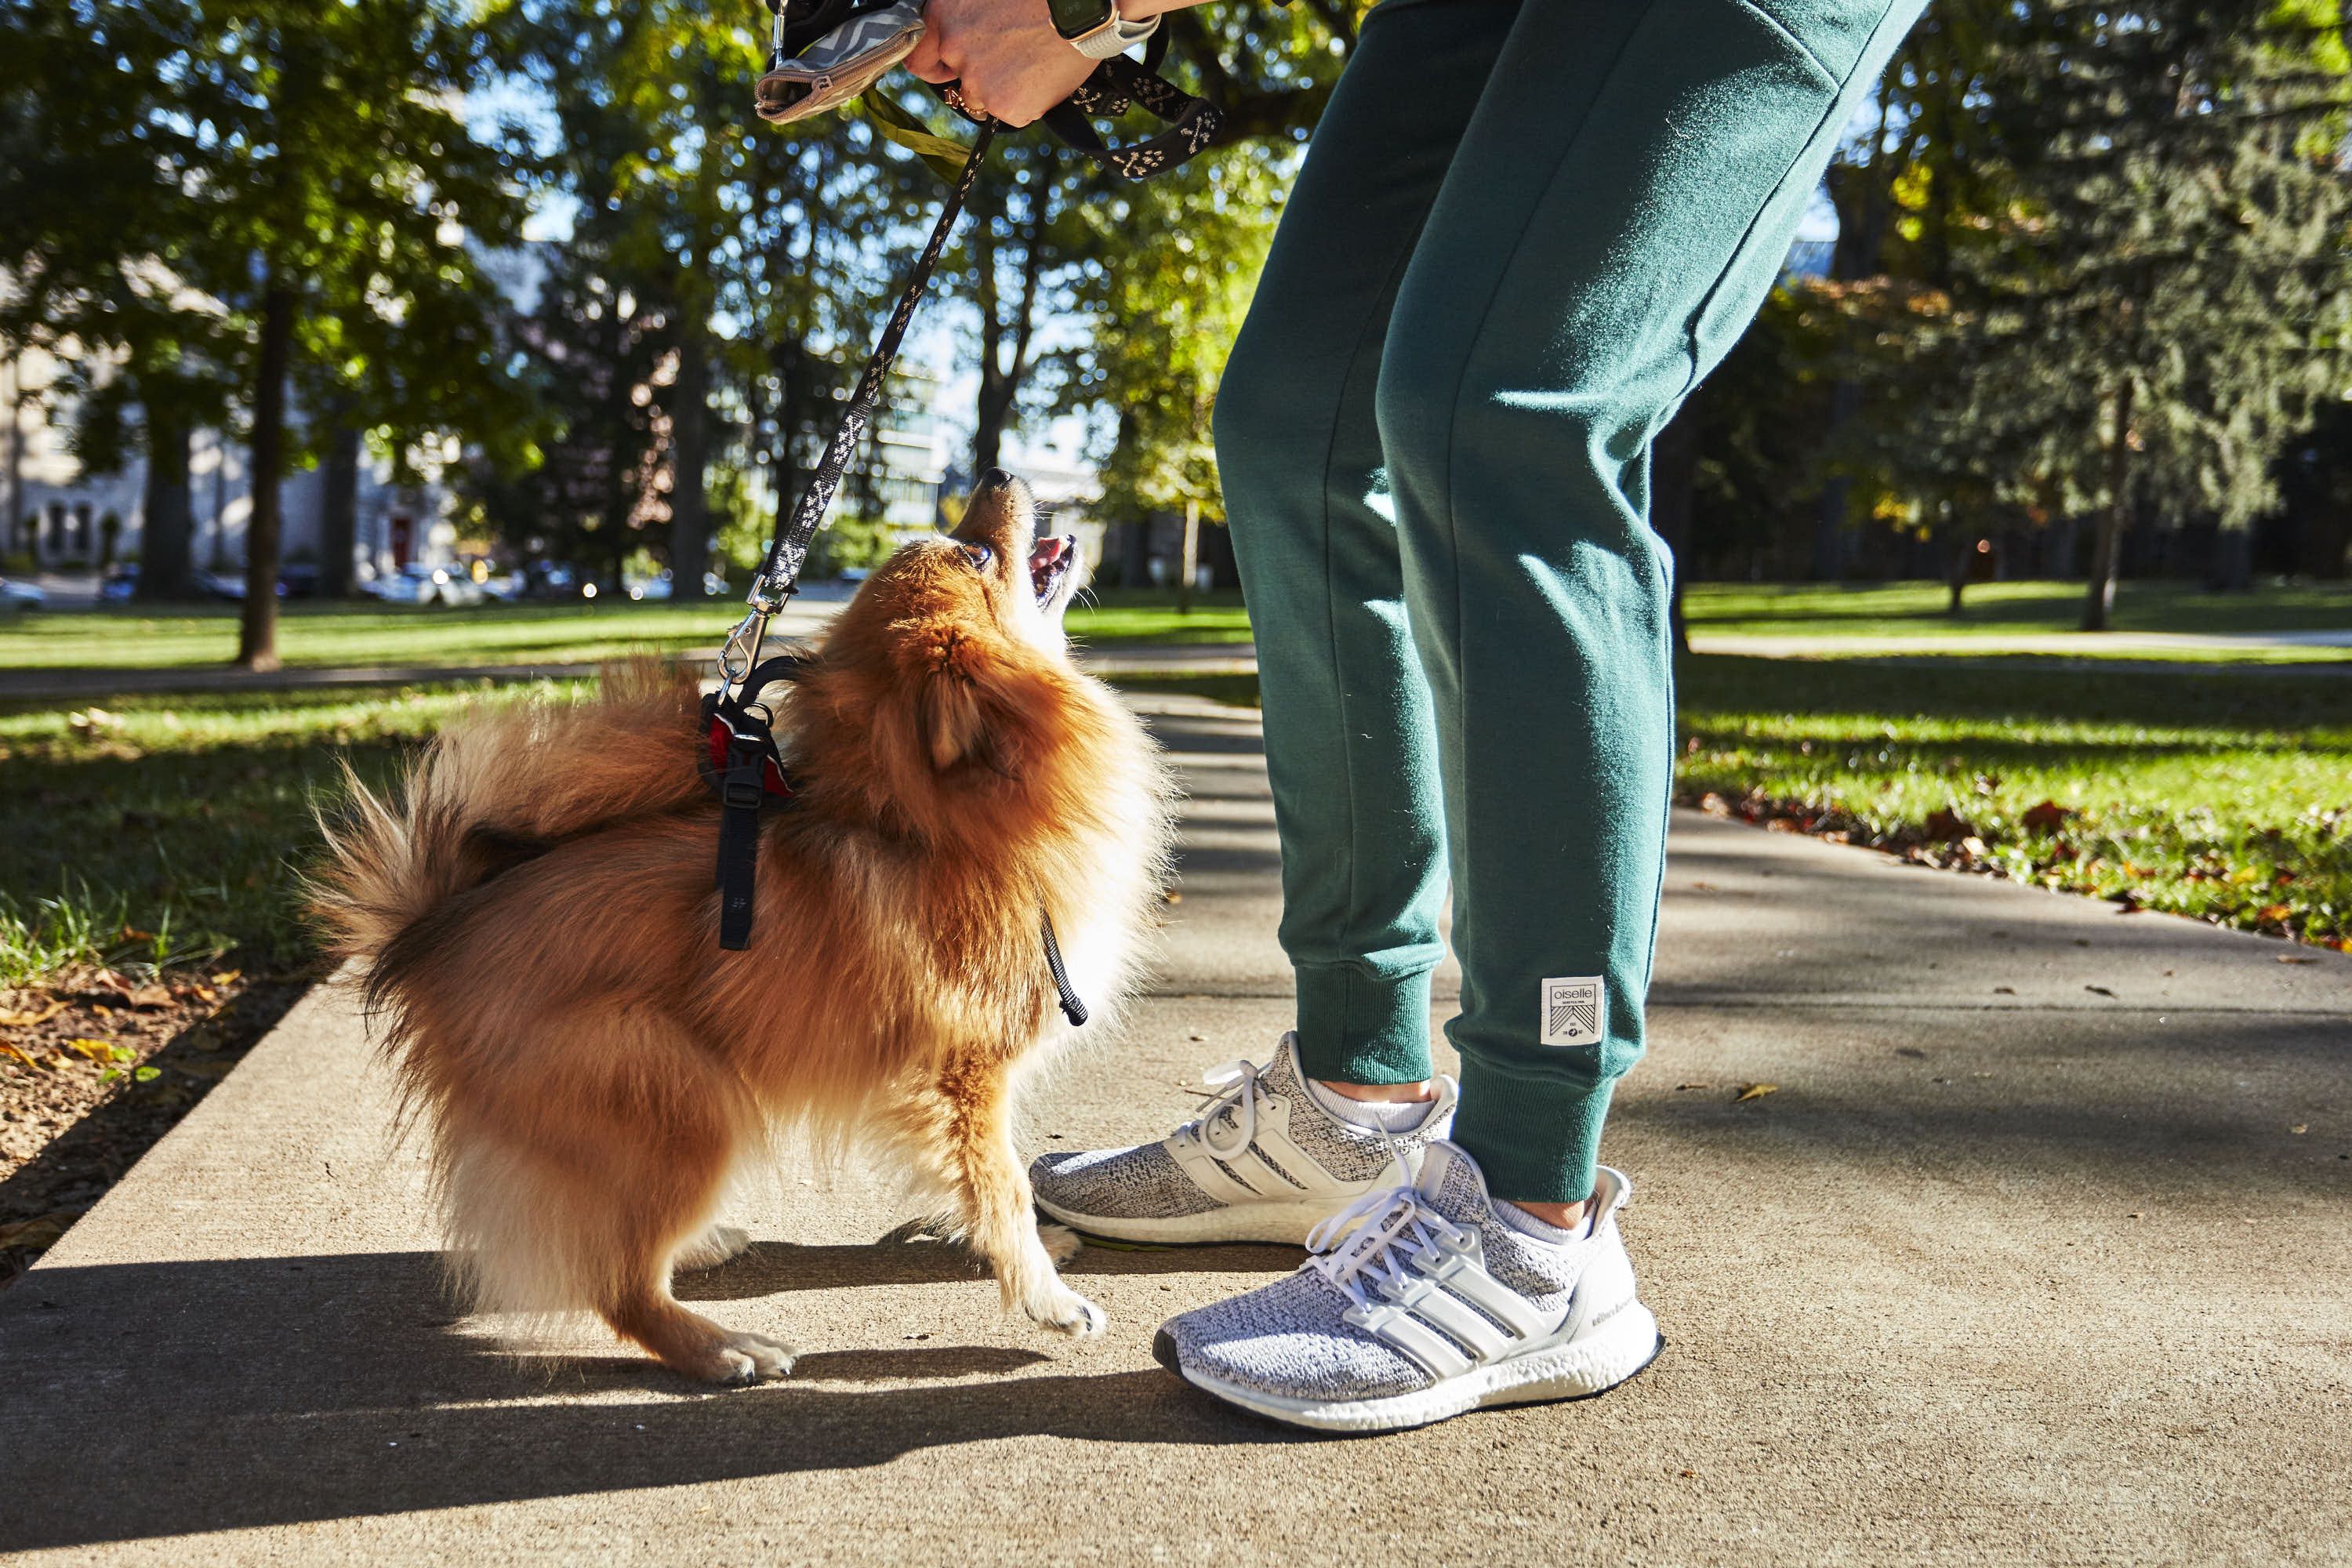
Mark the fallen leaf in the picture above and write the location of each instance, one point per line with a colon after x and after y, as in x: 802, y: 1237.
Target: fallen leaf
x: 2296, y: 958
x: 2045, y: 817
x: 2004, y: 990
x: 20, y: 1056
x: 38, y: 1233
x: 1947, y: 826
x: 1754, y: 1091
x: 94, y: 1049
x: 2098, y: 990
x: 152, y: 997
x: 1680, y: 1086
x: 2300, y: 1127
x: 26, y: 1020
x: 226, y: 976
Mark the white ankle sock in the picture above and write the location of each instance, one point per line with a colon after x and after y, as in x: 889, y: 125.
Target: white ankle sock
x: 1387, y: 1118
x: 1526, y: 1224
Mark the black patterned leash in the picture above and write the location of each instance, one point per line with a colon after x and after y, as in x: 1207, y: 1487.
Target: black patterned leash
x: 780, y: 570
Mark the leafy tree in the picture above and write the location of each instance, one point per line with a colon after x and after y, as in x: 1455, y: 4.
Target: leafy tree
x: 2167, y: 298
x: 1191, y: 246
x: 341, y: 166
x: 104, y: 256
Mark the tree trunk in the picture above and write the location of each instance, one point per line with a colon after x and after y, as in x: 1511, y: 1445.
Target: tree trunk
x: 1190, y: 564
x: 1955, y: 577
x: 1673, y: 478
x: 689, y: 501
x: 1000, y: 383
x: 1829, y: 511
x: 2099, y: 602
x: 2232, y: 567
x: 339, y: 511
x: 257, y: 632
x: 166, y: 537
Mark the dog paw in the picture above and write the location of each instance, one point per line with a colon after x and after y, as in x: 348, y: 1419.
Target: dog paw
x: 1066, y: 1311
x: 740, y: 1359
x: 1061, y: 1243
x: 712, y: 1247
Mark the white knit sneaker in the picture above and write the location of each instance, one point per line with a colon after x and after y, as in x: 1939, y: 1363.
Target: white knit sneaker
x: 1424, y: 1302
x: 1265, y: 1163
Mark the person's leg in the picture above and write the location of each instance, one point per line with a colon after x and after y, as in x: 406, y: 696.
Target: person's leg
x: 1349, y: 735
x: 1614, y: 212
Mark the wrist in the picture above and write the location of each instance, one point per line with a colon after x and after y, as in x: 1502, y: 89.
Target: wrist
x: 1101, y: 28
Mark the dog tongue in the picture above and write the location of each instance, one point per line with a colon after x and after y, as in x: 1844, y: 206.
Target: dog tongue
x: 1044, y: 558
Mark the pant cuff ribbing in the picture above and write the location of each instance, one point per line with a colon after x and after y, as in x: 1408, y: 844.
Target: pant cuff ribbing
x: 1536, y: 1139
x: 1355, y: 1027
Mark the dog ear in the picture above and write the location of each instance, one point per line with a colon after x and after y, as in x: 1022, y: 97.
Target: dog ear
x: 951, y: 717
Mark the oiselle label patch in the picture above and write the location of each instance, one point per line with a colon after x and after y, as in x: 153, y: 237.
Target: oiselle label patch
x: 1572, y: 1010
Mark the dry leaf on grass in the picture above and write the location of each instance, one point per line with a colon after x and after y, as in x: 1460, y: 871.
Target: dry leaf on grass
x: 35, y: 1234
x: 1755, y: 1092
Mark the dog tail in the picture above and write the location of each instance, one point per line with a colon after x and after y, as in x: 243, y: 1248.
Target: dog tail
x: 495, y: 789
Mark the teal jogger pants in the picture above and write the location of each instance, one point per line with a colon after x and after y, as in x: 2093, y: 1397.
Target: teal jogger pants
x: 1524, y: 229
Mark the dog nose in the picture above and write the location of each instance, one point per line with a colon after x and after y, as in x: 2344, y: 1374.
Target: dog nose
x: 992, y: 479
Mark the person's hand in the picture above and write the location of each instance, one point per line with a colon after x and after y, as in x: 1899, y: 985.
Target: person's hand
x: 1013, y: 64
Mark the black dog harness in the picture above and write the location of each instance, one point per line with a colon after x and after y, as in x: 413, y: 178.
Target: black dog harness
x: 743, y: 767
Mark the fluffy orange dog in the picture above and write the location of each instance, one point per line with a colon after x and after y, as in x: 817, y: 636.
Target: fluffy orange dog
x: 538, y: 920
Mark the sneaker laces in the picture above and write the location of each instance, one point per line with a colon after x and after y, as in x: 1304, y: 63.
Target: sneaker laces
x: 1232, y: 1096
x: 1390, y: 1226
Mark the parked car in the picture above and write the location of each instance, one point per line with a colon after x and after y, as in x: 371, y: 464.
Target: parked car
x: 15, y: 594
x: 293, y: 582
x: 120, y: 585
x: 420, y: 585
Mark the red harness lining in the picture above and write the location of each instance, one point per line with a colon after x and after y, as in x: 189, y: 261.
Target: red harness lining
x: 772, y: 780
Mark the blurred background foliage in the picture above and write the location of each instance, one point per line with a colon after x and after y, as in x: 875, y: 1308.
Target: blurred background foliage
x: 2083, y: 313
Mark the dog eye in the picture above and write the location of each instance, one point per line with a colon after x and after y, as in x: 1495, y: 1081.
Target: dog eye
x: 979, y: 555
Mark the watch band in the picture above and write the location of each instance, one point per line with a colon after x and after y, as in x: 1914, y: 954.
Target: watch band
x: 1115, y: 36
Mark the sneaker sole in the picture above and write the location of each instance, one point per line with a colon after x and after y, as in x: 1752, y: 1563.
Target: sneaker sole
x: 1579, y: 1369
x: 1282, y: 1224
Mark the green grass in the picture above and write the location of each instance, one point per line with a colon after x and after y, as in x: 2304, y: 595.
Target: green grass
x: 2005, y: 609
x: 169, y: 830
x: 174, y: 829
x: 333, y: 635
x: 2224, y: 795
x: 2221, y: 794
x: 328, y: 635
x: 1150, y: 615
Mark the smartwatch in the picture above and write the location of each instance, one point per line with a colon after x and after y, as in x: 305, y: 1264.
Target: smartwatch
x: 1096, y: 29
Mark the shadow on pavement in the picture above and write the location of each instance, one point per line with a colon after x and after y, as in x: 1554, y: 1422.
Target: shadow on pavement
x: 379, y: 1405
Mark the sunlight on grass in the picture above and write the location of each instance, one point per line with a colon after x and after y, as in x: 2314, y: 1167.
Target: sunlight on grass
x: 169, y: 830
x: 2224, y: 796
x: 2004, y: 609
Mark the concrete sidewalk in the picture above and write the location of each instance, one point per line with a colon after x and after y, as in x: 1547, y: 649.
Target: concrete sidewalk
x: 2039, y: 1253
